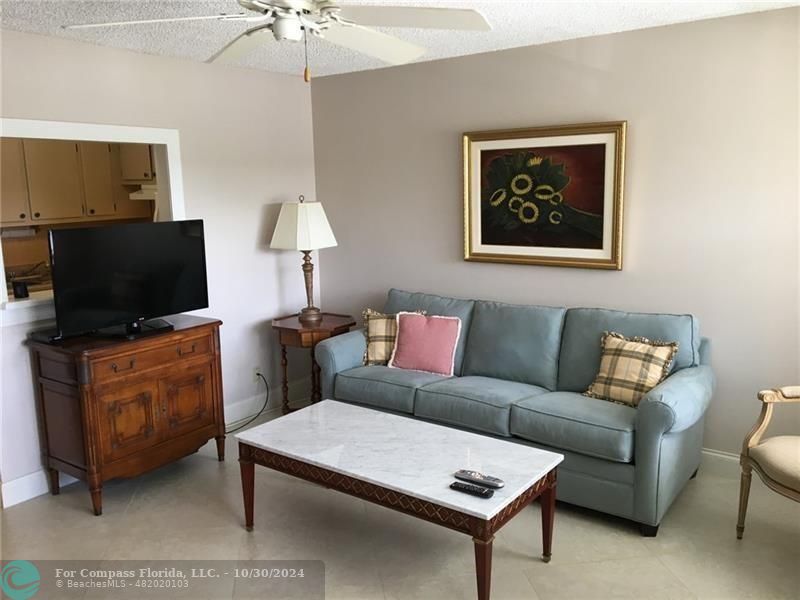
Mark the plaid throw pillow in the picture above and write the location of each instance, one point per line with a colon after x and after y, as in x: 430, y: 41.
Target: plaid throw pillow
x: 381, y: 333
x: 630, y: 367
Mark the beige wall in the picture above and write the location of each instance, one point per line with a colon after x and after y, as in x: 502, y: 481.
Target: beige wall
x: 711, y: 199
x: 246, y: 145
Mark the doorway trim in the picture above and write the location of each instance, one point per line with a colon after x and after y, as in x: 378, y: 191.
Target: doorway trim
x: 167, y: 156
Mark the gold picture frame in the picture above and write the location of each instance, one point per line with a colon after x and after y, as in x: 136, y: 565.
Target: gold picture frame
x: 545, y: 195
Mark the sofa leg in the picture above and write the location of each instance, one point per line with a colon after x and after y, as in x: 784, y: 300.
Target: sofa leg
x: 695, y: 473
x: 648, y: 530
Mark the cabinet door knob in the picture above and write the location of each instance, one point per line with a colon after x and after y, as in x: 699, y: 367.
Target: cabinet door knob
x: 21, y: 215
x: 146, y: 175
x: 37, y: 215
x: 91, y: 211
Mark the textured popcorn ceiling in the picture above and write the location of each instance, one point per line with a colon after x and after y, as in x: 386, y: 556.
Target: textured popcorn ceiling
x: 514, y: 23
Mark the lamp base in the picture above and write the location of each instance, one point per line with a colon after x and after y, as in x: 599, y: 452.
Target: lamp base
x: 310, y: 316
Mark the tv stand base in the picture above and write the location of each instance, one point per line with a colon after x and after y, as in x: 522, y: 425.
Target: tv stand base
x: 131, y: 331
x: 137, y: 329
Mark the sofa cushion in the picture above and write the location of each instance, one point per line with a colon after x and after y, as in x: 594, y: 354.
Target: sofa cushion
x: 425, y: 343
x: 380, y: 332
x: 518, y: 343
x: 584, y: 327
x: 382, y: 387
x: 399, y: 301
x: 577, y: 423
x: 479, y: 403
x: 630, y: 368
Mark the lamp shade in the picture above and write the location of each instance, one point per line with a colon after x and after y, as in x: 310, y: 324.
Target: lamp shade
x: 302, y: 226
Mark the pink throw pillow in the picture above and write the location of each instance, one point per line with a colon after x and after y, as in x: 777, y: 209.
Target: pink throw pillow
x: 426, y: 343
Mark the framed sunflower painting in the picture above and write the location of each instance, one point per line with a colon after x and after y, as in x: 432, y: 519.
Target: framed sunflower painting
x: 545, y: 195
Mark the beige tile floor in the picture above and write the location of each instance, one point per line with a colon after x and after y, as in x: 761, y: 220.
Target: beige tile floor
x: 193, y: 510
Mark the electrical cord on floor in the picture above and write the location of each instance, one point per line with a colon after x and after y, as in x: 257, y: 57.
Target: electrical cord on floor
x: 258, y: 414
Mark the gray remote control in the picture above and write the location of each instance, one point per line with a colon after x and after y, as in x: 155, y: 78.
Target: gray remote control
x: 479, y: 478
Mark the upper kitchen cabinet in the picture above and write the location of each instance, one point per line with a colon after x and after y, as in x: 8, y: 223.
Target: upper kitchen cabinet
x: 54, y: 179
x: 126, y: 208
x: 14, y: 207
x: 137, y: 163
x: 98, y: 185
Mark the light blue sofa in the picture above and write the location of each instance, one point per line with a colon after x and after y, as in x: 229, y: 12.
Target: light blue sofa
x: 520, y: 373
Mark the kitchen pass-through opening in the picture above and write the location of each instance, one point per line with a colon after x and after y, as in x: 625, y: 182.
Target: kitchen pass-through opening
x: 58, y: 184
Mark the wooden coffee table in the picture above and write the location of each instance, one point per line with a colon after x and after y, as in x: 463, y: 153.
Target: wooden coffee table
x: 406, y: 465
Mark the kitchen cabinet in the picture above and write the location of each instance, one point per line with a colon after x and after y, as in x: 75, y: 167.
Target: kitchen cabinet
x: 126, y: 208
x: 97, y: 181
x: 137, y: 163
x: 14, y: 206
x: 56, y: 182
x: 54, y: 179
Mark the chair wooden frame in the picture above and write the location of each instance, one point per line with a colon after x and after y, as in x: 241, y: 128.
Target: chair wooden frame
x: 768, y: 400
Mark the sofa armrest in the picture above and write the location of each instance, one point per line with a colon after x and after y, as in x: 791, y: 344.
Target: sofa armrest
x: 679, y: 401
x: 338, y: 354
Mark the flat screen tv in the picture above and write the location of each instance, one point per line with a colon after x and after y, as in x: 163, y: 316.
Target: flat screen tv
x: 114, y: 278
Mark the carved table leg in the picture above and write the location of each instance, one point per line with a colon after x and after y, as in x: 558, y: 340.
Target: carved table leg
x: 247, y: 468
x: 96, y: 490
x: 315, y: 370
x: 220, y: 439
x: 285, y: 383
x: 483, y: 567
x: 548, y: 503
x: 55, y: 487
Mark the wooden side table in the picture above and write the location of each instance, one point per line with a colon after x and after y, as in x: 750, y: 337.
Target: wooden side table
x: 291, y: 332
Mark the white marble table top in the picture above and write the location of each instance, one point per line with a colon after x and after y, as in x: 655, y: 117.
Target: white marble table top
x: 400, y: 453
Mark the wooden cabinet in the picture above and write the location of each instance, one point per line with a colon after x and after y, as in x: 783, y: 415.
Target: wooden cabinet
x: 137, y: 163
x: 56, y: 182
x: 98, y: 188
x: 118, y: 408
x: 54, y: 179
x: 127, y: 208
x: 14, y: 208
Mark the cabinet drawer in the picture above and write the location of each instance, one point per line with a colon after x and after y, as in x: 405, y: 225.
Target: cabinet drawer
x: 136, y: 362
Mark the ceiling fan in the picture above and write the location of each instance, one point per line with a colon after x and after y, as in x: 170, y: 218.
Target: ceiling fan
x: 293, y: 20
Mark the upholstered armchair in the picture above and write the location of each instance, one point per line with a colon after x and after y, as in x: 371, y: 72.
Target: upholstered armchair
x: 775, y: 459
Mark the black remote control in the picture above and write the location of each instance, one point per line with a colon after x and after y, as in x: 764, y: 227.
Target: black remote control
x: 472, y: 490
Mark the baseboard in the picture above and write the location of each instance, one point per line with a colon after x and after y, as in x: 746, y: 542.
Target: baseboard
x: 36, y: 483
x: 721, y: 454
x: 29, y: 486
x: 236, y: 412
x: 233, y: 426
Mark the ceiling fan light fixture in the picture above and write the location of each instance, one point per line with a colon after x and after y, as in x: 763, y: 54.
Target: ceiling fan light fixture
x: 345, y: 26
x: 287, y: 28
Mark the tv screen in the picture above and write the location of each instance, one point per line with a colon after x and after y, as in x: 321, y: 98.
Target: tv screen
x: 123, y: 274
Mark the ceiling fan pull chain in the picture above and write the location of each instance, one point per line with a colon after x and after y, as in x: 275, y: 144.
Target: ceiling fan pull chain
x: 306, y: 71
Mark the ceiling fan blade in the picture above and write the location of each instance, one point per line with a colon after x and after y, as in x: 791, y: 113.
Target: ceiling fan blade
x: 234, y: 17
x: 387, y: 48
x: 416, y: 17
x: 242, y: 44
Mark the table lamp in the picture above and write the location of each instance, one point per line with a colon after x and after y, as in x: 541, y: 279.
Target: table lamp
x: 303, y: 226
